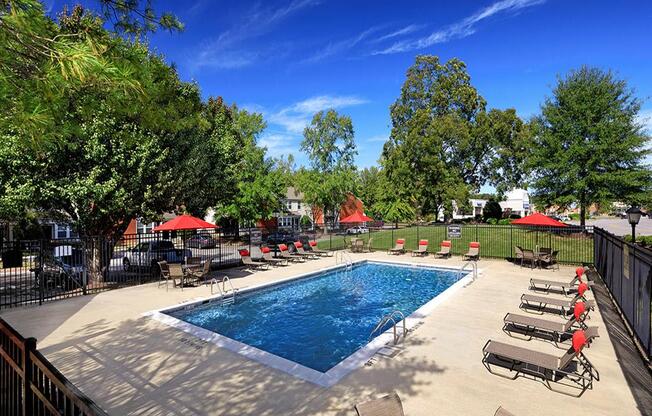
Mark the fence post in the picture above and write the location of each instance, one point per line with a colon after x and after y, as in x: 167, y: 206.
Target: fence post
x: 29, y: 345
x: 39, y: 270
x: 85, y: 265
x: 511, y: 242
x: 417, y: 236
x: 476, y: 232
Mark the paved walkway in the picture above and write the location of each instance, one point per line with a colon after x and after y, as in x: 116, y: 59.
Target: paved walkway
x: 130, y: 364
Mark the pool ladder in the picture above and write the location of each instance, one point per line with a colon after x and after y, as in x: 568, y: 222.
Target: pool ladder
x: 342, y: 257
x: 474, y: 267
x: 224, y: 292
x: 391, y: 317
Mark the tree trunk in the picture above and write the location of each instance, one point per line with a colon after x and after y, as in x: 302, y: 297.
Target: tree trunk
x: 95, y: 265
x: 582, y: 214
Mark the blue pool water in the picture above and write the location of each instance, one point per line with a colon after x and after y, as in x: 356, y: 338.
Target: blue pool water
x: 319, y: 321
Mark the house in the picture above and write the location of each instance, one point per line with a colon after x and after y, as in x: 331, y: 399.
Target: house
x: 517, y: 202
x: 294, y: 208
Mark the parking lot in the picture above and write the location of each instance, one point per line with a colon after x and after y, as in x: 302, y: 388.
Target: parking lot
x: 620, y: 226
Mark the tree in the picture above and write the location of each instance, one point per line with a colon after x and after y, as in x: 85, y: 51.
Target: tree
x: 260, y: 182
x: 114, y: 162
x: 330, y: 146
x: 492, y: 209
x: 589, y: 147
x: 444, y: 144
x: 328, y: 142
x: 42, y: 62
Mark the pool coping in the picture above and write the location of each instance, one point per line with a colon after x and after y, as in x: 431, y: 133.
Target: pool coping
x: 341, y: 369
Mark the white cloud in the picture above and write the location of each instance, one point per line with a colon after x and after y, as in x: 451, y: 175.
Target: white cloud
x: 296, y: 117
x: 224, y: 52
x: 400, y: 32
x: 377, y: 139
x: 460, y: 29
x: 644, y: 118
x: 340, y: 46
x: 278, y: 144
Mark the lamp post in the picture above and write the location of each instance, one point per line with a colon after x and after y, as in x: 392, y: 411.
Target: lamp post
x: 633, y: 217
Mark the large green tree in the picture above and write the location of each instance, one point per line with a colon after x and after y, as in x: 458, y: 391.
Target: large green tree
x: 588, y: 146
x: 260, y: 182
x: 330, y: 146
x: 118, y: 157
x: 42, y: 62
x: 444, y: 144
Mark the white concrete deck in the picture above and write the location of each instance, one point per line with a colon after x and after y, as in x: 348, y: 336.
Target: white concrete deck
x: 130, y: 364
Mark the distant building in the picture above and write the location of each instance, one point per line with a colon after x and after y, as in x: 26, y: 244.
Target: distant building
x: 517, y: 202
x: 294, y: 208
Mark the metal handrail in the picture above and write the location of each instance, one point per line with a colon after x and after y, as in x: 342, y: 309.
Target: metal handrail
x: 343, y: 258
x: 390, y: 317
x: 223, y: 290
x: 474, y: 267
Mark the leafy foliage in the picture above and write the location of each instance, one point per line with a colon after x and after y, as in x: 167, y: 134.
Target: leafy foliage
x: 492, y: 210
x: 588, y: 146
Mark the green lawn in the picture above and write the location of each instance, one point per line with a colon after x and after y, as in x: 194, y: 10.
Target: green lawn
x: 495, y: 241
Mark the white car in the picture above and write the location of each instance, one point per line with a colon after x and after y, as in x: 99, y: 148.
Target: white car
x: 357, y: 230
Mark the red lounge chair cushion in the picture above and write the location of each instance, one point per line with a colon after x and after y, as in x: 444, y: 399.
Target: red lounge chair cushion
x: 244, y: 253
x: 312, y: 243
x: 583, y: 287
x: 265, y: 250
x: 474, y: 244
x: 579, y: 341
x: 445, y: 243
x: 282, y: 247
x: 423, y: 242
x: 400, y: 241
x: 579, y: 272
x: 578, y: 310
x: 298, y: 244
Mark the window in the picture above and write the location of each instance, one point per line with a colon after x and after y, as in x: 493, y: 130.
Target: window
x: 298, y: 205
x: 289, y: 205
x: 64, y: 231
x: 145, y: 228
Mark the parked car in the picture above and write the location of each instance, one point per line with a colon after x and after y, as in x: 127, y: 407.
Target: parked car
x: 357, y: 230
x: 201, y: 241
x: 63, y: 268
x: 149, y: 253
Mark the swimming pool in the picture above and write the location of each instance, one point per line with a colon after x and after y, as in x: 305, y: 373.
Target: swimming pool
x: 319, y: 320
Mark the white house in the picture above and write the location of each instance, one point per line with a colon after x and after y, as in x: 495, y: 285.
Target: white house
x: 517, y: 202
x: 295, y: 208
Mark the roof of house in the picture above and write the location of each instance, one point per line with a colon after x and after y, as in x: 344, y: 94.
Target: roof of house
x: 293, y: 193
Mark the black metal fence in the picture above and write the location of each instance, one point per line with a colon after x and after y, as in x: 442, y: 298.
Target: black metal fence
x: 31, y: 385
x: 35, y: 271
x: 626, y: 269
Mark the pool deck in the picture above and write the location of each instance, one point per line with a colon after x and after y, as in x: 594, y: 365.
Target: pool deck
x: 131, y: 364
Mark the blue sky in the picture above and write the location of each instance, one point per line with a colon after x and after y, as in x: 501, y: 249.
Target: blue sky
x: 291, y: 58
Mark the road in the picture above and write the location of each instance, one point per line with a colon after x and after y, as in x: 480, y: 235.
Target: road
x: 620, y: 226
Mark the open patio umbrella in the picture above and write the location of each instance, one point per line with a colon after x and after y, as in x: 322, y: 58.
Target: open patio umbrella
x: 185, y: 222
x: 356, y: 217
x: 538, y: 219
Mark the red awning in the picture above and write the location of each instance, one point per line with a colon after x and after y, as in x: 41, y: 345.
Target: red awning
x: 185, y: 222
x: 540, y: 220
x: 356, y: 217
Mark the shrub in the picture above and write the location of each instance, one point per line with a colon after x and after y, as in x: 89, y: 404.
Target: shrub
x: 492, y: 221
x: 575, y: 217
x: 514, y: 216
x: 504, y: 221
x: 492, y: 209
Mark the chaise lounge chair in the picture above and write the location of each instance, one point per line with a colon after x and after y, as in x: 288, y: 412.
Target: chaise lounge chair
x: 399, y: 248
x: 389, y: 405
x: 285, y: 254
x: 553, y: 305
x: 298, y: 245
x: 249, y: 263
x: 422, y: 250
x: 318, y: 251
x: 547, y: 367
x: 267, y: 258
x: 544, y: 285
x: 554, y: 331
x: 444, y: 249
x: 474, y: 251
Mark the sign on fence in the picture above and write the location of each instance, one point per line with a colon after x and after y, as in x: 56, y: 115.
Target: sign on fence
x: 454, y: 231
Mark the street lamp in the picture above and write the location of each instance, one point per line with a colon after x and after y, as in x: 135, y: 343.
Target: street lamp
x: 633, y: 217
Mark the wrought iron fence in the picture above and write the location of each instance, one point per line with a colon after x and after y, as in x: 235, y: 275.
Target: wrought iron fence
x: 35, y: 271
x: 31, y: 385
x: 626, y: 269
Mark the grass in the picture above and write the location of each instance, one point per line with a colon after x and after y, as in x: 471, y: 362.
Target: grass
x: 495, y: 240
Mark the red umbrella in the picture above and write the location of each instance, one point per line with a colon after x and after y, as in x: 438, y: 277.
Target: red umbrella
x: 356, y: 217
x: 540, y: 220
x: 185, y: 222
